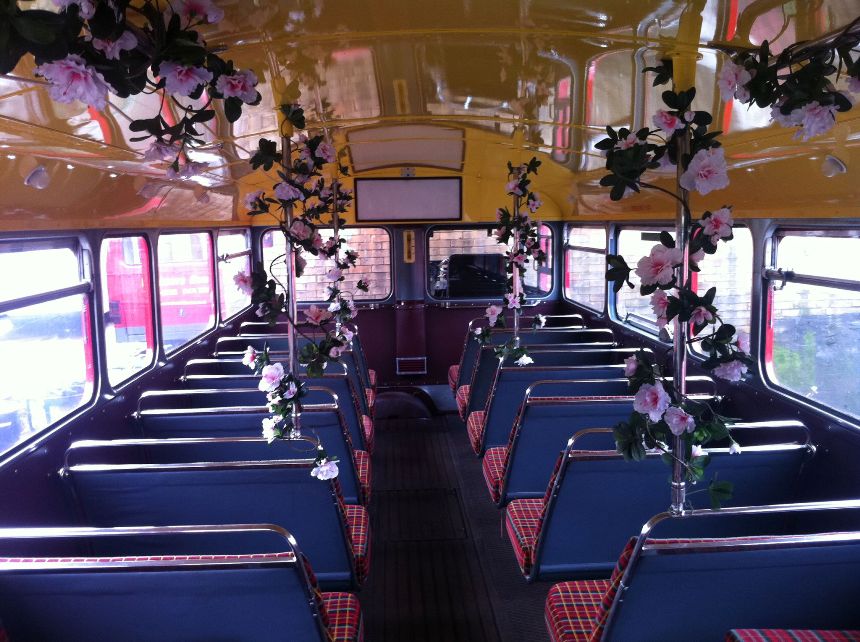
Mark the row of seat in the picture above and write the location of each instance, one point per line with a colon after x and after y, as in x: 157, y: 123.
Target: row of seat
x: 570, y: 501
x: 201, y: 463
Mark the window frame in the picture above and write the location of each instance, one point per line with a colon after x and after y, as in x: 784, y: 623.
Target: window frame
x: 359, y: 302
x: 530, y: 301
x: 154, y: 316
x: 86, y: 288
x: 566, y: 245
x: 773, y: 274
x: 213, y: 272
x: 226, y: 258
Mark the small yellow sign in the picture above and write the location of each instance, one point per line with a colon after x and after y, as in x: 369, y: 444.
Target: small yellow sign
x: 409, y: 246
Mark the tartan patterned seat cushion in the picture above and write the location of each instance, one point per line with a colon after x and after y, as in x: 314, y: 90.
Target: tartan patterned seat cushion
x: 371, y: 375
x: 370, y: 395
x: 572, y: 609
x: 362, y: 471
x: 790, y: 635
x: 358, y: 523
x: 475, y: 427
x: 453, y: 375
x: 522, y: 523
x: 494, y: 469
x: 463, y: 400
x: 367, y: 427
x: 343, y: 615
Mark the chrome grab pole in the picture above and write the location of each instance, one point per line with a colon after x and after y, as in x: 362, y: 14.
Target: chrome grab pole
x: 292, y: 306
x: 679, y: 356
x: 335, y: 225
x: 515, y: 275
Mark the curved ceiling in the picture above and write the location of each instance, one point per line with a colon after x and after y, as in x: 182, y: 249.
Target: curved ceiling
x: 423, y: 83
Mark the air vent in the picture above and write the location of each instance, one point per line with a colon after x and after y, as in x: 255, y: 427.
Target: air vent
x: 410, y: 366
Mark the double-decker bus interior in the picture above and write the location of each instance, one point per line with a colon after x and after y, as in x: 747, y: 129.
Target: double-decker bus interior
x: 431, y: 435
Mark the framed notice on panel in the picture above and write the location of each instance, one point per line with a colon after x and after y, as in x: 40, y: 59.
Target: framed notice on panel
x: 408, y: 199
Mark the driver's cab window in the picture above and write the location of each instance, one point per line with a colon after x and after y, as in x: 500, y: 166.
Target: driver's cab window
x: 468, y: 263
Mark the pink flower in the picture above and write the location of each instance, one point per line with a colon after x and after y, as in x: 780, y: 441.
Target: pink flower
x: 658, y: 267
x: 316, y: 241
x: 667, y: 122
x: 732, y: 80
x: 631, y: 140
x: 250, y: 357
x: 513, y: 187
x: 706, y: 172
x: 631, y: 364
x: 317, y: 315
x: 679, y: 421
x: 534, y: 203
x: 243, y: 282
x: 300, y: 230
x: 792, y: 119
x: 159, y: 151
x: 252, y: 198
x: 697, y: 451
x: 199, y: 9
x: 291, y: 391
x: 697, y: 257
x: 346, y: 334
x: 182, y: 80
x: 731, y: 371
x: 492, y: 313
x: 660, y: 303
x: 326, y: 469
x: 743, y: 341
x: 815, y: 119
x: 326, y: 152
x: 72, y: 79
x: 86, y: 8
x: 288, y: 192
x: 112, y: 48
x: 735, y: 448
x: 334, y: 274
x: 269, y: 425
x: 701, y: 316
x: 651, y: 400
x: 513, y: 300
x: 240, y: 85
x: 518, y: 259
x: 718, y: 225
x: 270, y: 377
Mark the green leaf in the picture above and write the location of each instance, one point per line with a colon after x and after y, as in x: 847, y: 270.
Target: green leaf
x: 719, y: 492
x: 666, y: 239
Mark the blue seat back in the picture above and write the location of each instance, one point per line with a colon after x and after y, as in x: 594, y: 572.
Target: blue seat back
x: 580, y: 534
x: 325, y: 425
x: 170, y: 601
x: 773, y: 582
x: 170, y: 493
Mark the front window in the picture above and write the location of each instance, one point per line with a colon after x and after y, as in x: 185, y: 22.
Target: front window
x: 811, y: 346
x: 468, y: 263
x: 373, y: 246
x: 47, y: 367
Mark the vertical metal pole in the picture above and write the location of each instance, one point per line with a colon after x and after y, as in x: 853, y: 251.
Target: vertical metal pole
x: 679, y: 356
x: 515, y: 275
x: 335, y: 225
x: 292, y: 305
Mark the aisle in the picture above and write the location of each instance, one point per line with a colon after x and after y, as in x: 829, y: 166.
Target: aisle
x: 440, y: 570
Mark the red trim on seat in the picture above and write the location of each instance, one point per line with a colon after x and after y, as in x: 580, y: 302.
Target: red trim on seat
x: 362, y: 471
x: 791, y: 635
x: 358, y: 523
x: 453, y: 375
x: 370, y: 395
x: 494, y: 469
x: 475, y: 428
x: 367, y: 426
x: 463, y: 400
x: 572, y: 608
x: 371, y: 377
x: 343, y: 614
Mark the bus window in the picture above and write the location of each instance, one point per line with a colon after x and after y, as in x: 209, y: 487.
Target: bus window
x: 47, y: 367
x: 585, y: 261
x: 185, y: 287
x: 730, y: 271
x: 811, y: 343
x: 468, y: 263
x: 127, y: 297
x: 373, y: 245
x: 630, y: 306
x: 234, y: 256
